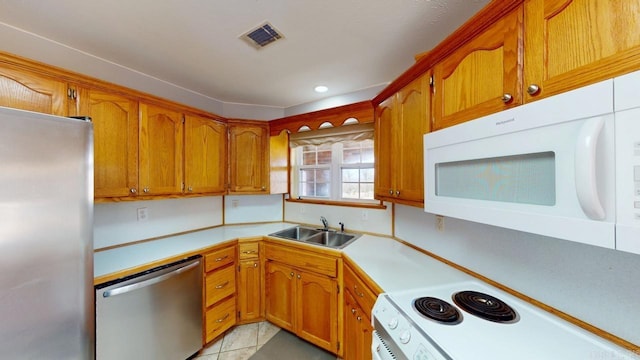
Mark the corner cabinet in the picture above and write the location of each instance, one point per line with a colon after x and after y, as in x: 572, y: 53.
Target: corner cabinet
x: 400, y: 123
x: 248, y: 157
x: 301, y: 291
x: 205, y: 155
x: 572, y: 43
x: 358, y: 303
x: 250, y: 289
x: 482, y: 76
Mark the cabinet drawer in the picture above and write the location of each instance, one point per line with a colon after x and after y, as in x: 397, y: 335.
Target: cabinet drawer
x: 220, y: 318
x: 220, y: 284
x: 361, y: 292
x: 219, y: 258
x: 250, y: 250
x: 306, y: 260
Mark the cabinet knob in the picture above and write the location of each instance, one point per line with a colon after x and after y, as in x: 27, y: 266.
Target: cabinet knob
x: 255, y: 265
x: 397, y: 192
x: 506, y: 98
x: 353, y: 311
x: 264, y: 188
x: 146, y: 190
x: 533, y: 89
x: 359, y: 318
x: 133, y: 190
x: 390, y: 192
x: 190, y: 189
x: 299, y: 277
x: 291, y: 274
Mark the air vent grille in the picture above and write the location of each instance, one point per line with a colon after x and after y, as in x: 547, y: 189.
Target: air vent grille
x: 262, y: 36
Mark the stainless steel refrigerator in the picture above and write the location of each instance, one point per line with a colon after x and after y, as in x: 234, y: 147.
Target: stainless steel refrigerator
x: 46, y: 245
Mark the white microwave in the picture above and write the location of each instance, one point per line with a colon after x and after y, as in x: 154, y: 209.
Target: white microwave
x: 566, y: 167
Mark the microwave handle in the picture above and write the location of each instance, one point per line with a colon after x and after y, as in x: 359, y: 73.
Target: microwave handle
x: 585, y: 167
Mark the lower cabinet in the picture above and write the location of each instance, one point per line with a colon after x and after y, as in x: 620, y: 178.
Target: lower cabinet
x: 220, y: 291
x: 358, y: 302
x: 302, y: 294
x: 250, y: 304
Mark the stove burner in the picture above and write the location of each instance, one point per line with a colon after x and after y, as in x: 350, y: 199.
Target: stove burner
x: 438, y: 310
x: 485, y: 306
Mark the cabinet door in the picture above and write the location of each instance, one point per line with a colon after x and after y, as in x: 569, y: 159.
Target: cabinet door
x: 384, y: 118
x: 205, y: 151
x: 412, y: 124
x: 317, y: 309
x: 481, y: 77
x: 280, y: 291
x: 353, y: 345
x: 28, y: 91
x: 572, y: 43
x: 249, y: 298
x: 248, y: 159
x: 115, y: 141
x: 161, y: 150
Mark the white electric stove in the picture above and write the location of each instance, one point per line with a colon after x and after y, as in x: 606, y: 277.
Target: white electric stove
x: 477, y: 321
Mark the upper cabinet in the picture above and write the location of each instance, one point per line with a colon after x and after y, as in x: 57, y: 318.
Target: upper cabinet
x: 161, y: 150
x: 205, y: 155
x: 248, y: 157
x: 482, y: 76
x: 24, y: 90
x: 572, y: 43
x: 401, y: 121
x: 115, y: 141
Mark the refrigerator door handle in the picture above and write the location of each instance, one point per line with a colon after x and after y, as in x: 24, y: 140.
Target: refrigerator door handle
x: 132, y: 287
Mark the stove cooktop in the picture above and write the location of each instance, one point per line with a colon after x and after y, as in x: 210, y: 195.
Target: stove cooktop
x: 514, y: 328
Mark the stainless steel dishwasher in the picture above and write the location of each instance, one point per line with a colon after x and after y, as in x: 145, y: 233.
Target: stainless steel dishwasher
x: 156, y: 314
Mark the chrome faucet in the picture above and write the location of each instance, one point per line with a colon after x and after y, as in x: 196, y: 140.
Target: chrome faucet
x: 325, y: 223
x: 341, y: 226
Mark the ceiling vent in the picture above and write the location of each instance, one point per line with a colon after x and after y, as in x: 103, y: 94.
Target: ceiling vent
x: 262, y: 36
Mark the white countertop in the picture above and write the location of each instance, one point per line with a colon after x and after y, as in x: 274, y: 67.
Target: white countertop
x: 392, y: 265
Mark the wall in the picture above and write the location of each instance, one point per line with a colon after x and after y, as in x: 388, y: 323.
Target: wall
x: 597, y: 285
x: 117, y: 223
x: 240, y: 209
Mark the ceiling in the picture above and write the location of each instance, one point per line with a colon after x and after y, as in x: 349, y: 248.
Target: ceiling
x: 347, y: 45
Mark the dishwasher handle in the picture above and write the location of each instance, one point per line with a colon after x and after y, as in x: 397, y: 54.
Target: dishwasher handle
x: 132, y: 287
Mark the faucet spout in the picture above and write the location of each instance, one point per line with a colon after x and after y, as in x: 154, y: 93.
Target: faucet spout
x: 325, y: 223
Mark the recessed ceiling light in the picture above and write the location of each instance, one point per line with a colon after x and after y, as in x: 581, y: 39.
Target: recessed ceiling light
x: 321, y: 88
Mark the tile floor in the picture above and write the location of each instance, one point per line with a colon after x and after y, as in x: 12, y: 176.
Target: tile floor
x: 240, y: 342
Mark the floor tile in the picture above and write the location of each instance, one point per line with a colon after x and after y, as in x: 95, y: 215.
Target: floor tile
x: 207, y: 357
x: 213, y: 348
x: 239, y: 354
x: 266, y: 331
x: 242, y: 336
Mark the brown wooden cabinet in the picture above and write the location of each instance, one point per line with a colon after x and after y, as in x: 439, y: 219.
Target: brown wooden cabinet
x: 24, y: 90
x: 160, y: 150
x: 302, y: 294
x: 250, y: 275
x: 115, y: 141
x: 572, y: 43
x: 205, y: 155
x: 220, y: 290
x: 401, y: 122
x: 482, y: 76
x: 248, y: 157
x: 358, y: 302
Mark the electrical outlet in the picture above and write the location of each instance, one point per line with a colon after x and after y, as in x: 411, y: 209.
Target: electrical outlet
x: 440, y: 223
x: 143, y: 214
x: 365, y: 215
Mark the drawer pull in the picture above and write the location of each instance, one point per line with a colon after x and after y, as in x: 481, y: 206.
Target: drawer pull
x: 353, y: 311
x: 222, y: 285
x: 249, y: 252
x: 359, y: 318
x: 355, y: 288
x: 223, y: 318
x: 222, y: 258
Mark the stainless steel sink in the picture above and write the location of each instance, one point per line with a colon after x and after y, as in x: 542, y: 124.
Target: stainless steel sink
x: 329, y: 238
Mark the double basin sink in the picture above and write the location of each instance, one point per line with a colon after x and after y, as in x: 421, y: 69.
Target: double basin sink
x: 329, y: 238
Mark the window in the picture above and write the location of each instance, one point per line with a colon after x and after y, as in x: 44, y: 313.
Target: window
x: 339, y: 171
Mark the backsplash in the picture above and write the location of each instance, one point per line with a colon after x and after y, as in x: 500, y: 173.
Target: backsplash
x: 597, y: 285
x: 117, y: 223
x: 239, y: 209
